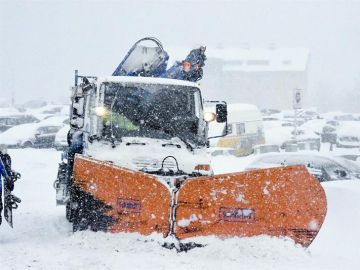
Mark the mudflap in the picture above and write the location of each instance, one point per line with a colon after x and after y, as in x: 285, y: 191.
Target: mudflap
x: 284, y: 201
x: 110, y: 198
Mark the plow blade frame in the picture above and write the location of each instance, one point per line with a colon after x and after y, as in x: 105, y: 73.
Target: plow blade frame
x: 285, y: 201
x: 126, y: 200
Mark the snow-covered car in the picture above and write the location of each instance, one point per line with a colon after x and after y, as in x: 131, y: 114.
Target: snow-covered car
x: 301, y: 116
x: 353, y: 156
x: 276, y: 132
x: 265, y: 148
x: 323, y: 167
x: 61, y: 141
x: 30, y: 135
x: 316, y: 125
x: 49, y: 110
x: 56, y: 120
x: 282, y: 134
x: 9, y: 121
x: 348, y: 134
x: 305, y: 139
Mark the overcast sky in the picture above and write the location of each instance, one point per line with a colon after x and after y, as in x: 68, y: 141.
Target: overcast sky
x: 42, y: 42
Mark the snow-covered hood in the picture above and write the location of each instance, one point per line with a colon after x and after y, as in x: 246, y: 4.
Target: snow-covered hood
x: 61, y: 136
x: 148, y: 154
x: 18, y: 134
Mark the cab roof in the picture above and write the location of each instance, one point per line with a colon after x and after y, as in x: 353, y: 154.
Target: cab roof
x: 146, y: 80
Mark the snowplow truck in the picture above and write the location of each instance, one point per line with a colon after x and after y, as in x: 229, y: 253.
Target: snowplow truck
x: 137, y: 162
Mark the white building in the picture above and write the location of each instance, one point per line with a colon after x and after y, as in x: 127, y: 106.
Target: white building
x: 264, y: 77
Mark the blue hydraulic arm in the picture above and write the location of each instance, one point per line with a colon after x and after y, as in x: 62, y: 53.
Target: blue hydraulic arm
x: 152, y: 62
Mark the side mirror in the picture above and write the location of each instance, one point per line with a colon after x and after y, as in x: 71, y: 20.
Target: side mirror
x: 221, y: 113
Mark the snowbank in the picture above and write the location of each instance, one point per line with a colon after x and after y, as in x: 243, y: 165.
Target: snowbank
x: 43, y: 239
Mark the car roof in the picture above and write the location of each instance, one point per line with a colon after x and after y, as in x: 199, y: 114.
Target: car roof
x: 294, y: 154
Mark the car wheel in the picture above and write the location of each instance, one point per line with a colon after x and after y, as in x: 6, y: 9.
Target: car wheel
x: 27, y: 144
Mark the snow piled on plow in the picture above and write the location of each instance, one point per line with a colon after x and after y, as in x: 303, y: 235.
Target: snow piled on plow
x: 43, y: 239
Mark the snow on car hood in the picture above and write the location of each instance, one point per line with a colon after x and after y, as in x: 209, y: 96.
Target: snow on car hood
x: 61, y: 136
x: 18, y: 134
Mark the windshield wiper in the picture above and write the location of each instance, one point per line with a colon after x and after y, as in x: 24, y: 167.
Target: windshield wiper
x: 188, y: 145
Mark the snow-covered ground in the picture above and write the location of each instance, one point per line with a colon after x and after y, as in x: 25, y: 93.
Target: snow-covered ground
x: 43, y: 239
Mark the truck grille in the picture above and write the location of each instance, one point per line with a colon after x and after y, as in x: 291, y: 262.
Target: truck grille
x: 150, y: 164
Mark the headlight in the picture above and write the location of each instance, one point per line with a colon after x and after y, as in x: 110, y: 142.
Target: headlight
x: 101, y: 111
x: 209, y: 116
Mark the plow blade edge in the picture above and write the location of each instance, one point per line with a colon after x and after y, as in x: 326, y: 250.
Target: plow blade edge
x: 285, y: 201
x: 130, y: 201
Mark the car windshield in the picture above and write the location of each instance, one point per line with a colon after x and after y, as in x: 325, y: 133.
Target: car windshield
x: 153, y: 111
x: 351, y: 165
x: 349, y: 139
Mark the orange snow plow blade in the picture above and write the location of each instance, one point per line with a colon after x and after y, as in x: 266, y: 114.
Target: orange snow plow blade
x: 133, y: 201
x: 284, y: 201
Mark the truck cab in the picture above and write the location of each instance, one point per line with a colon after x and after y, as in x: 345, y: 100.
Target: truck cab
x: 143, y: 123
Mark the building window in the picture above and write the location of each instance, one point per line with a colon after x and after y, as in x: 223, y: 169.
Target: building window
x: 240, y: 128
x: 257, y: 62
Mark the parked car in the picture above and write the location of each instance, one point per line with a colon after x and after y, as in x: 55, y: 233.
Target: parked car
x: 338, y: 116
x: 265, y: 148
x: 323, y: 167
x: 353, y: 157
x: 30, y: 135
x: 57, y: 120
x: 61, y: 141
x: 49, y: 110
x: 316, y: 125
x: 10, y: 121
x: 348, y: 134
x: 305, y: 139
x: 244, y: 129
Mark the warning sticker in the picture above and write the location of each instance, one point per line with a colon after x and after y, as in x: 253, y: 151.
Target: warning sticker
x: 232, y: 214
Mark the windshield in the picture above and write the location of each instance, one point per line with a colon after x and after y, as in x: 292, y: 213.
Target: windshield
x: 154, y: 111
x: 351, y: 165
